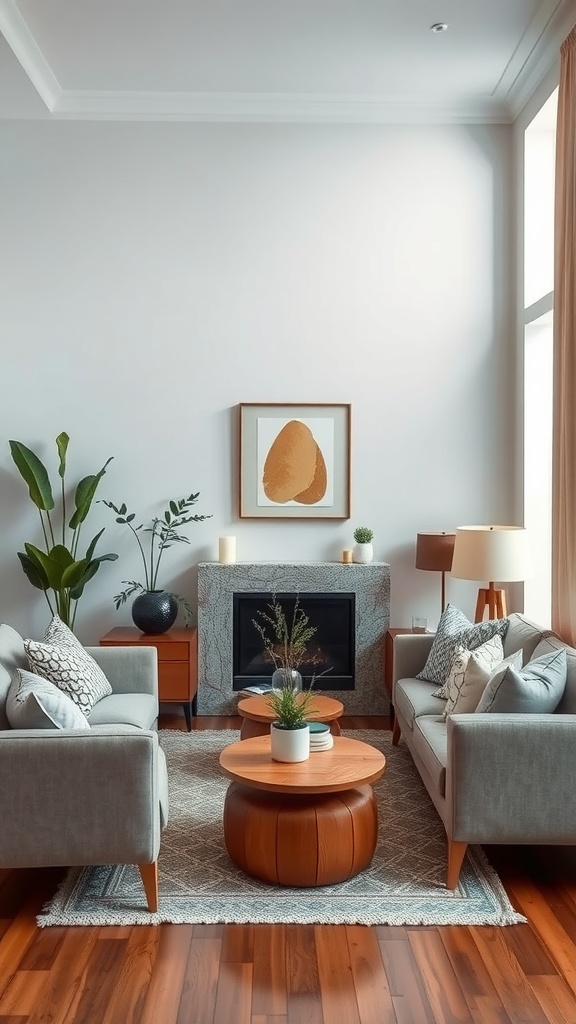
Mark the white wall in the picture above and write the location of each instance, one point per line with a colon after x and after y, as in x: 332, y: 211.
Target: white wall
x: 152, y: 276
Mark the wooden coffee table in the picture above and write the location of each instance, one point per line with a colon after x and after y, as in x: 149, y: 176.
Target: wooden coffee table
x: 257, y: 716
x: 306, y: 824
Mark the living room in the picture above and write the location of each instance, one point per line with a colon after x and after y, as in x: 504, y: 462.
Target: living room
x: 163, y: 267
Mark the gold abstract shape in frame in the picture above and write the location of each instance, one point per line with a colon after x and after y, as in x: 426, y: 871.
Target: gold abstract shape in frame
x: 317, y: 488
x: 294, y: 469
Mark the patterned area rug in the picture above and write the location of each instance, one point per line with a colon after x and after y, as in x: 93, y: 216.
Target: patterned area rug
x: 200, y: 885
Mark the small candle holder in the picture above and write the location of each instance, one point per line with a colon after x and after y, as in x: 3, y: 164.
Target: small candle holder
x: 347, y: 556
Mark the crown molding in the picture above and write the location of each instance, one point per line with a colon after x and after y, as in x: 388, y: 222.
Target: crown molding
x: 534, y: 56
x: 537, y: 52
x: 28, y: 53
x: 300, y: 108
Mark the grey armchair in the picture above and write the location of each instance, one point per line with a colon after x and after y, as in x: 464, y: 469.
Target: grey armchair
x: 87, y: 796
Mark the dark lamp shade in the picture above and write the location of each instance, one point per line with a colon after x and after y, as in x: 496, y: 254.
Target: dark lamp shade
x: 434, y: 551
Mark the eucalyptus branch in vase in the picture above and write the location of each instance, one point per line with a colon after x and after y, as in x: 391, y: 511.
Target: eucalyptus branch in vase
x: 163, y: 534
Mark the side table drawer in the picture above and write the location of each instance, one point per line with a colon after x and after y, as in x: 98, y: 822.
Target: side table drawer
x: 174, y: 681
x: 172, y: 651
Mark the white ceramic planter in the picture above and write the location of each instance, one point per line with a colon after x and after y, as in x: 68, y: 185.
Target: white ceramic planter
x: 362, y: 553
x: 289, y: 745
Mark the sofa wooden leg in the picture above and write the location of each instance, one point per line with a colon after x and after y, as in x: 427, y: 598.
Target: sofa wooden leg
x: 149, y: 876
x: 456, y: 854
x: 396, y: 733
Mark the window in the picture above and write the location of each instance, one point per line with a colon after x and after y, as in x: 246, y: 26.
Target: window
x: 539, y: 161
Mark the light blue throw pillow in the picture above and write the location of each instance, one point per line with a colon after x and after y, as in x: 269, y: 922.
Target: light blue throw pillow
x: 36, y: 703
x: 455, y: 629
x: 535, y: 689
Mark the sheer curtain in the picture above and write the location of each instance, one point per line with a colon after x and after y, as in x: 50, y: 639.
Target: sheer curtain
x: 564, y: 431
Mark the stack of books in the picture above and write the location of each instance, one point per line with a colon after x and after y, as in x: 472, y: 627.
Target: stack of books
x: 258, y: 690
x: 320, y: 736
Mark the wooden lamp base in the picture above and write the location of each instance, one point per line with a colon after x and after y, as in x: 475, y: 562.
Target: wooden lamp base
x: 494, y: 600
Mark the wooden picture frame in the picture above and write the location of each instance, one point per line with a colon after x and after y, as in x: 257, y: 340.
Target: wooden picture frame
x: 294, y: 460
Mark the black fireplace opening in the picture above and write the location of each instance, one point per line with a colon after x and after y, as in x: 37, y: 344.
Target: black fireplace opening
x: 332, y: 646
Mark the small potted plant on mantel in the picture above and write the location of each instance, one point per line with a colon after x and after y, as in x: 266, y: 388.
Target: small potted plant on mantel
x: 363, y: 550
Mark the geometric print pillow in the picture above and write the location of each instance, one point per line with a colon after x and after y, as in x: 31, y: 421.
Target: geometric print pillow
x: 63, y: 660
x: 469, y: 675
x: 455, y: 629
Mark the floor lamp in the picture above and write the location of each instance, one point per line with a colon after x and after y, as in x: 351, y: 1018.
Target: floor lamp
x: 491, y: 553
x: 434, y: 552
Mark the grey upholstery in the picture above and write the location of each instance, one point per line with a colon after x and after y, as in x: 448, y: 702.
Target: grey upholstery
x: 91, y: 796
x: 493, y: 778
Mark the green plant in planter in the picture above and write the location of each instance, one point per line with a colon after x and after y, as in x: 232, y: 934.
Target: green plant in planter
x: 59, y: 571
x: 290, y: 706
x: 163, y: 533
x: 363, y: 535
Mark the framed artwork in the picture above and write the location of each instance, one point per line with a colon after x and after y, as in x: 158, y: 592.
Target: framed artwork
x: 294, y: 461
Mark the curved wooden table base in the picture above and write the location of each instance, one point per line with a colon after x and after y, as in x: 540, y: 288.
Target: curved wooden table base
x: 308, y: 840
x: 310, y: 823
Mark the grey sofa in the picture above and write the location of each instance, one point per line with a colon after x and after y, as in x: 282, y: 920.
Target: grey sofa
x: 86, y: 796
x: 493, y: 778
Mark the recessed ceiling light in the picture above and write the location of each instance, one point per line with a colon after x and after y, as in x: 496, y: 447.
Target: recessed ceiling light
x: 438, y: 26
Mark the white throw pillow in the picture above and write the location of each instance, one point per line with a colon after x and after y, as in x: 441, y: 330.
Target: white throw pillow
x: 469, y: 673
x: 478, y: 674
x: 35, y: 703
x: 62, y: 659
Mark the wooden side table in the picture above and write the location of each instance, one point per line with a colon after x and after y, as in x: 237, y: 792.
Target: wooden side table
x: 389, y: 661
x: 177, y: 662
x: 257, y: 716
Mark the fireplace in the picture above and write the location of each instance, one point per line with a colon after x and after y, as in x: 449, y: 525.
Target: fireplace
x: 331, y: 650
x: 217, y: 584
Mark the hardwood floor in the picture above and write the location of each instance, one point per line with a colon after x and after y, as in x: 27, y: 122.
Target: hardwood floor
x: 261, y: 974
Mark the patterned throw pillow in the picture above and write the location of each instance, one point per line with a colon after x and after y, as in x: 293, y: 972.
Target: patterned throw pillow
x: 459, y: 678
x: 35, y: 703
x: 455, y: 629
x: 62, y: 659
x: 480, y: 666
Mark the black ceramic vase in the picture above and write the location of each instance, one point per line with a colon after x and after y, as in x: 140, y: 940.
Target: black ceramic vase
x: 154, y: 611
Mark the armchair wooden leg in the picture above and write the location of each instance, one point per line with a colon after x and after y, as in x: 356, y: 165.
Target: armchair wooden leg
x: 456, y: 854
x: 396, y: 733
x: 149, y: 876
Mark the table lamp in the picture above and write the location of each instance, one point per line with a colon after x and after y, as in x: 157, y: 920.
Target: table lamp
x: 434, y: 553
x: 491, y: 553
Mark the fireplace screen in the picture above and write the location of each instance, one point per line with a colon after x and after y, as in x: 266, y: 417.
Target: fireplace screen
x: 331, y: 647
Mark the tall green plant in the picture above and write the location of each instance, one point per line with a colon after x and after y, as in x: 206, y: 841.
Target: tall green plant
x: 57, y: 570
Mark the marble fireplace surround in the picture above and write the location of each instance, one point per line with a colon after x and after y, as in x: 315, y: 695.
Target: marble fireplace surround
x: 218, y: 582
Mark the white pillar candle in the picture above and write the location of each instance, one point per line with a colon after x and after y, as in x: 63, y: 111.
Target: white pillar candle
x: 227, y: 549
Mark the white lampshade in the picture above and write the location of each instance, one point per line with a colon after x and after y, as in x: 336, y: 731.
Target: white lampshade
x: 492, y: 553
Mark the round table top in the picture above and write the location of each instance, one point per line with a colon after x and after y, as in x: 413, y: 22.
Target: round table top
x: 322, y: 709
x: 347, y: 764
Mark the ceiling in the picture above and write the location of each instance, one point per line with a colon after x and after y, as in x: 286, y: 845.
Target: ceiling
x: 339, y: 61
